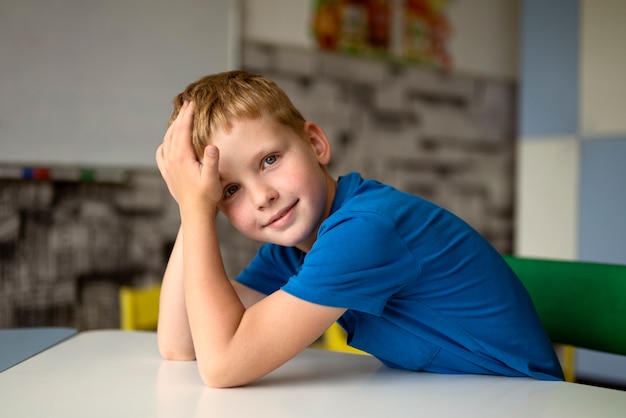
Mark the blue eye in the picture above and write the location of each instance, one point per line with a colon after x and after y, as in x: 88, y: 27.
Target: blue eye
x: 230, y: 190
x: 270, y: 160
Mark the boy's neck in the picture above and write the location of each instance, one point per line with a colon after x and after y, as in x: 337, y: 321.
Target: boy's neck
x: 331, y: 187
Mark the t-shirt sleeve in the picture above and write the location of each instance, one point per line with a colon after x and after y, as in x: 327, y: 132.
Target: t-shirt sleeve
x: 358, y: 262
x: 270, y: 269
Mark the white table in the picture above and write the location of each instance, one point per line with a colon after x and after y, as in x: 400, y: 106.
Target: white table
x: 120, y: 374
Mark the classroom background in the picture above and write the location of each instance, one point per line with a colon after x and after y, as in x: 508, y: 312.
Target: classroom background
x: 513, y: 122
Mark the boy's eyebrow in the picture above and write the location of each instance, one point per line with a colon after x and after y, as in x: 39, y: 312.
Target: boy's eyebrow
x: 265, y: 150
x: 252, y: 161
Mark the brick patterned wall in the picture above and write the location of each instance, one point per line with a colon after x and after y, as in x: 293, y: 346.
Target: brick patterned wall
x: 67, y: 246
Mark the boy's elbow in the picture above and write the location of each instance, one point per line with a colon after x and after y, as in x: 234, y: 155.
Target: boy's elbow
x: 176, y: 353
x: 214, y: 382
x: 218, y: 375
x: 172, y: 347
x: 215, y: 379
x: 173, y: 356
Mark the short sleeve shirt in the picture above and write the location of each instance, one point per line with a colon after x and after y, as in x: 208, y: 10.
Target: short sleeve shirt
x: 423, y: 290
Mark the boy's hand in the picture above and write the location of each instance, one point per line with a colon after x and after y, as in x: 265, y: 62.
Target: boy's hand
x: 193, y: 184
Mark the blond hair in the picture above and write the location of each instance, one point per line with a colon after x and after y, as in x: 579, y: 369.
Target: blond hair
x: 224, y: 97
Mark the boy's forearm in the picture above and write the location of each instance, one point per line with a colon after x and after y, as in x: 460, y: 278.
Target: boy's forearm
x: 174, y: 335
x: 213, y: 306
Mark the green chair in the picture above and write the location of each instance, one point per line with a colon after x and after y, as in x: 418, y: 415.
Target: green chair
x: 580, y: 304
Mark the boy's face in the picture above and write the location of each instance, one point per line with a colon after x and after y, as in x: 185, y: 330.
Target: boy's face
x: 275, y: 188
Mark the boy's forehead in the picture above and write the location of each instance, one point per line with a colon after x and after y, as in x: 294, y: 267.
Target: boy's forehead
x: 244, y: 133
x: 248, y: 136
x: 226, y: 126
x: 264, y: 127
x: 247, y: 141
x: 246, y: 120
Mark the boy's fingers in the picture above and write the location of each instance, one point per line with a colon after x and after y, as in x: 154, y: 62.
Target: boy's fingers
x: 179, y: 134
x: 158, y: 155
x: 159, y: 158
x: 210, y: 160
x: 167, y: 138
x: 184, y: 120
x: 210, y: 171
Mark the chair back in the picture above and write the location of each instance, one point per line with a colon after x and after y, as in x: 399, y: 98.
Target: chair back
x: 139, y: 307
x: 579, y: 303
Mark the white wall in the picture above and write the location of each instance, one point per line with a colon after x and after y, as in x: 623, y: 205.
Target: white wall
x: 485, y: 38
x: 91, y: 83
x: 603, y: 91
x: 285, y: 22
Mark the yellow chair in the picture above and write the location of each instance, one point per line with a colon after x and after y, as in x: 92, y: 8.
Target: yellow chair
x: 139, y: 310
x: 139, y: 307
x: 335, y: 339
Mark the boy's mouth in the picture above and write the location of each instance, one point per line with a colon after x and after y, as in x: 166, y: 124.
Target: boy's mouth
x: 282, y: 217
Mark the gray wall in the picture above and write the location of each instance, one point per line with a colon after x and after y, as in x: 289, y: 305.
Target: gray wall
x: 90, y: 82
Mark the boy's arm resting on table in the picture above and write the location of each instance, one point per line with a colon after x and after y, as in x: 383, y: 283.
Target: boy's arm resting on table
x: 234, y: 345
x: 270, y: 331
x: 174, y: 334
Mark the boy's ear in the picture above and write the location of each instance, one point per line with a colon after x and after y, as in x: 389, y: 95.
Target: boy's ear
x: 319, y: 142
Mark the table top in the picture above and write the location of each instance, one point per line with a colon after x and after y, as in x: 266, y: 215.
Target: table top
x: 18, y: 344
x: 120, y: 374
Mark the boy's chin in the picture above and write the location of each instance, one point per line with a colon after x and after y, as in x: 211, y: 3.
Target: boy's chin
x: 290, y: 238
x: 298, y: 241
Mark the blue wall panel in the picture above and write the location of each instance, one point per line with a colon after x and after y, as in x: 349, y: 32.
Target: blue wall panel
x: 550, y: 68
x: 602, y: 221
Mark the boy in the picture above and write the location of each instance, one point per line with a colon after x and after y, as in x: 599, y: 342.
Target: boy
x: 411, y: 283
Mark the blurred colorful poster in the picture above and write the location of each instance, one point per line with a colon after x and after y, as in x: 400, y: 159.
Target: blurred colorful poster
x: 414, y: 30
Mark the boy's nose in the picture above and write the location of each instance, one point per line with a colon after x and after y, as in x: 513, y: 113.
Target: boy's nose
x: 264, y: 196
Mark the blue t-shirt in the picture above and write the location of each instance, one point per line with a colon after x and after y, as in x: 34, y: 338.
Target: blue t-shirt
x: 423, y: 290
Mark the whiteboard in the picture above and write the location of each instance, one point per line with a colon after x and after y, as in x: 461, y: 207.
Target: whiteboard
x: 90, y: 83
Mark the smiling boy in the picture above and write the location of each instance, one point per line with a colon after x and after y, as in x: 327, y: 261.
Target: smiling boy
x: 411, y: 283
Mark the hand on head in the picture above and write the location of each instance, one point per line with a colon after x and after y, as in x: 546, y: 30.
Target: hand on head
x: 195, y: 185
